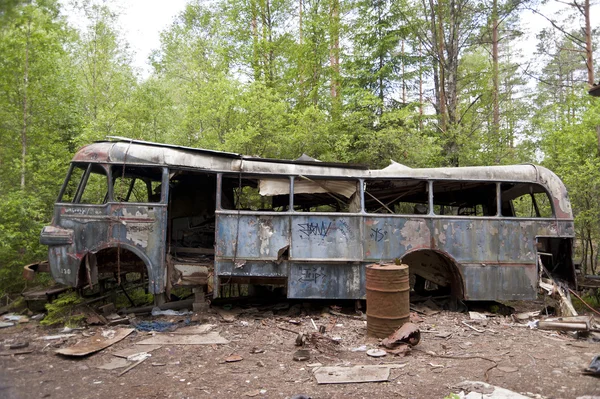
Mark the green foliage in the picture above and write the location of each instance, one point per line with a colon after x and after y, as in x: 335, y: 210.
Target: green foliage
x: 592, y: 298
x: 64, y: 310
x: 138, y: 296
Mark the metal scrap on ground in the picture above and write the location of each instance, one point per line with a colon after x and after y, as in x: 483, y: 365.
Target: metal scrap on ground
x: 345, y: 375
x: 94, y: 344
x: 204, y: 339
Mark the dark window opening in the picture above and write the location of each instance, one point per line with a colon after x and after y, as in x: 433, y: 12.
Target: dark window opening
x: 137, y: 184
x: 525, y: 200
x: 403, y: 197
x: 464, y: 198
x: 262, y: 194
x: 192, y: 203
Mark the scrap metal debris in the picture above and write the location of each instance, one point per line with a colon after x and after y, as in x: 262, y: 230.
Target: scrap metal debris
x: 95, y: 344
x: 355, y: 374
x: 408, y: 333
x: 212, y: 338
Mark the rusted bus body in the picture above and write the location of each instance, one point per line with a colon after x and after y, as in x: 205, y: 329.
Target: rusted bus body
x: 308, y: 225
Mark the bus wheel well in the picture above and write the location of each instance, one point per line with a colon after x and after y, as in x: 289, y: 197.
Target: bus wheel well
x: 110, y: 261
x: 436, y: 267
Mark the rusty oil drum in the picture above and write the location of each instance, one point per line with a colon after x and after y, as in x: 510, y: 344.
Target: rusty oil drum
x: 388, y: 305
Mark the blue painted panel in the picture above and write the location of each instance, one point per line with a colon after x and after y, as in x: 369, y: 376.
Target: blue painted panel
x: 251, y: 269
x: 322, y: 280
x: 258, y: 237
x: 467, y: 240
x: 326, y: 237
x: 387, y: 238
x: 517, y: 241
x: 493, y: 282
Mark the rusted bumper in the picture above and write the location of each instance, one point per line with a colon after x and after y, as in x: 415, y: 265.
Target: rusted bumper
x: 29, y: 271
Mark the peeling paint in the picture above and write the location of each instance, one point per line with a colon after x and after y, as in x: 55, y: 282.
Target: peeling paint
x: 415, y: 234
x: 264, y: 235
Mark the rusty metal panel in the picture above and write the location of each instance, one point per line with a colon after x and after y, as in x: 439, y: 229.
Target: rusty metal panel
x: 326, y: 237
x: 257, y: 236
x: 389, y: 237
x: 500, y: 282
x: 327, y: 280
x: 517, y: 241
x: 138, y: 228
x: 250, y: 268
x: 467, y: 240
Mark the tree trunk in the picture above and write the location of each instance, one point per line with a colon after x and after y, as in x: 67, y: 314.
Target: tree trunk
x: 25, y: 108
x: 334, y: 56
x: 588, y: 44
x: 495, y: 84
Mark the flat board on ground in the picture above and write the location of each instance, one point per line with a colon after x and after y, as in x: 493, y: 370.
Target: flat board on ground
x: 94, y: 344
x: 204, y: 339
x: 344, y: 375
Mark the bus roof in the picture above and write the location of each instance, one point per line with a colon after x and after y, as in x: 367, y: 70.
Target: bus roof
x: 120, y: 150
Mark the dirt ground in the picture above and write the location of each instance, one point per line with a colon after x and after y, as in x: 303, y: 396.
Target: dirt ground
x: 539, y: 364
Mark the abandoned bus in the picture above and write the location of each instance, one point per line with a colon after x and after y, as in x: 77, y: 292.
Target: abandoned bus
x: 187, y: 216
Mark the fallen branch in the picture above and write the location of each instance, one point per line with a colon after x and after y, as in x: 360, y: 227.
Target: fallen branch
x: 288, y: 330
x: 584, y: 302
x: 461, y: 357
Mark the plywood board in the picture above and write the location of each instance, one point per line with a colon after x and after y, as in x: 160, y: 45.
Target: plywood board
x: 94, y: 344
x: 199, y: 339
x: 346, y: 375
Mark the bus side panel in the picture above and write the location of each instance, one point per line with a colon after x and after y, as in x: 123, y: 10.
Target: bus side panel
x: 252, y: 236
x: 517, y: 241
x: 467, y: 240
x: 388, y: 238
x: 326, y: 237
x: 499, y: 282
x: 143, y: 228
x: 327, y: 280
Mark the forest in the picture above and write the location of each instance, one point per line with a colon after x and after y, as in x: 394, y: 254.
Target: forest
x: 425, y: 83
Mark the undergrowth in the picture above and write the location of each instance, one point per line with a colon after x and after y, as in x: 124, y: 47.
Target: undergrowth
x: 592, y: 298
x: 65, y: 310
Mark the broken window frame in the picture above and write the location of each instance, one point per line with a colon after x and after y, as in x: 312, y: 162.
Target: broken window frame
x: 486, y: 182
x: 240, y: 177
x: 321, y: 181
x: 82, y: 184
x: 365, y: 193
x: 116, y: 171
x: 541, y: 190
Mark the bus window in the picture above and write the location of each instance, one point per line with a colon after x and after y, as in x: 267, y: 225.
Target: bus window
x: 525, y: 200
x: 403, y: 197
x: 319, y: 195
x: 464, y: 198
x: 96, y: 187
x: 73, y: 182
x: 87, y: 184
x: 256, y: 194
x: 137, y: 184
